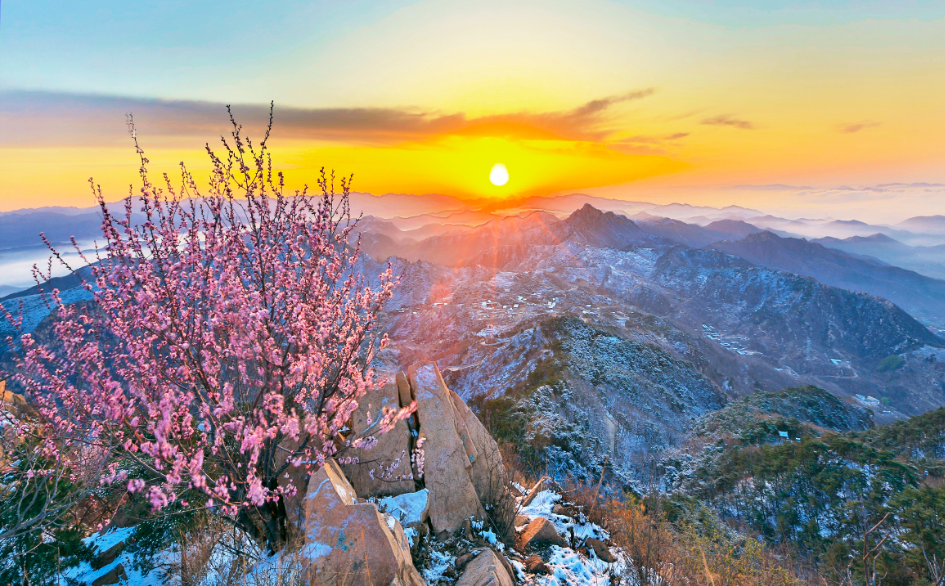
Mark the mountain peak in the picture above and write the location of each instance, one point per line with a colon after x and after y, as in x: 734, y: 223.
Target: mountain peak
x: 588, y: 210
x: 590, y: 225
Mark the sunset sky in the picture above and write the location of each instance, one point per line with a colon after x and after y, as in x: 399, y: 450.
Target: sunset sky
x: 827, y: 108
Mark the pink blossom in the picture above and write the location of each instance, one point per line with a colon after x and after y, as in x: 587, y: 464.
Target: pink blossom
x: 227, y: 322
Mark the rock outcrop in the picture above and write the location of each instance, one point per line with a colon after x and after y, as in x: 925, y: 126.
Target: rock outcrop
x: 108, y: 556
x: 600, y: 550
x: 347, y: 542
x: 351, y: 541
x: 384, y: 469
x: 539, y: 532
x: 463, y: 468
x: 486, y: 569
x: 116, y: 575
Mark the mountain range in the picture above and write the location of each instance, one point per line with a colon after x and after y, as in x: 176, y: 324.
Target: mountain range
x: 640, y: 353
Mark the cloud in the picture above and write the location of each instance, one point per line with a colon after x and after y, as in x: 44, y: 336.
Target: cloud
x: 728, y: 120
x: 587, y: 122
x: 43, y: 118
x: 772, y: 187
x: 595, y: 106
x: 880, y: 191
x: 59, y: 117
x: 920, y: 184
x: 851, y: 128
x: 642, y: 139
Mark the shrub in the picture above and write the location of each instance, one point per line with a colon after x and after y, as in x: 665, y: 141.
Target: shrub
x: 229, y: 342
x: 891, y: 362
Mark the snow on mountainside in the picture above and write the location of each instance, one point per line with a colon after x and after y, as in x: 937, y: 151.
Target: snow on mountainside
x: 663, y: 355
x: 921, y: 296
x: 745, y: 327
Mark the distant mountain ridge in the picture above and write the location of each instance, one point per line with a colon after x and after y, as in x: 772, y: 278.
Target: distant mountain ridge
x: 593, y: 227
x: 919, y: 295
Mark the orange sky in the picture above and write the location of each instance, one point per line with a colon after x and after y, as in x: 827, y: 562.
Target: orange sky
x: 785, y: 111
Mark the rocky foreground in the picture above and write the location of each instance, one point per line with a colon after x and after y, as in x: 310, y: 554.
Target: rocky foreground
x: 380, y: 517
x: 444, y: 522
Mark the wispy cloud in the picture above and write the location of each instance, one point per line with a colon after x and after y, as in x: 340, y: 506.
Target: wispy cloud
x: 918, y: 185
x: 60, y: 118
x: 879, y: 191
x: 857, y: 127
x: 772, y: 187
x: 588, y: 121
x: 728, y: 120
x: 595, y: 106
x: 644, y: 139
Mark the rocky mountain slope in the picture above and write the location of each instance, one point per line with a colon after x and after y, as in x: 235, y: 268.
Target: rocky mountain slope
x: 925, y: 260
x: 921, y: 296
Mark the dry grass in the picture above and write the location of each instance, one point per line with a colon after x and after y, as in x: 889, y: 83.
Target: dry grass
x: 218, y: 554
x: 664, y: 554
x: 706, y: 555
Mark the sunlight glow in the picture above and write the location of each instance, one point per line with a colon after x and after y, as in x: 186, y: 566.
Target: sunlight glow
x: 499, y: 175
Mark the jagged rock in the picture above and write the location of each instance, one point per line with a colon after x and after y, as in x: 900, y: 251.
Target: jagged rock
x: 485, y: 570
x: 453, y: 496
x: 600, y: 550
x: 508, y: 565
x: 463, y: 466
x: 464, y: 559
x: 107, y: 556
x: 14, y: 403
x: 535, y: 565
x: 404, y: 392
x: 347, y: 542
x: 488, y: 471
x: 467, y: 530
x: 533, y: 492
x: 384, y: 469
x: 423, y: 531
x: 540, y: 532
x: 116, y: 575
x: 411, y: 509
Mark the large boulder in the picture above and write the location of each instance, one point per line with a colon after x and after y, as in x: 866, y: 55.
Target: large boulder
x: 116, y: 575
x: 600, y: 550
x: 347, y: 542
x: 384, y: 469
x: 448, y: 452
x: 486, y: 570
x: 539, y: 532
x: 487, y: 469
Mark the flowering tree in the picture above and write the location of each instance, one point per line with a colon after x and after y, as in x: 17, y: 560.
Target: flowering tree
x: 229, y: 341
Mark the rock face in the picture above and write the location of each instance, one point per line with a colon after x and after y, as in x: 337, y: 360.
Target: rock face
x: 485, y: 570
x: 540, y: 532
x: 115, y: 576
x: 600, y: 550
x: 384, y: 469
x: 535, y: 565
x: 107, y: 556
x: 463, y: 468
x: 347, y: 542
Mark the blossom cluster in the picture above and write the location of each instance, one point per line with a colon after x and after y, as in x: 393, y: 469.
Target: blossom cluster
x: 229, y: 339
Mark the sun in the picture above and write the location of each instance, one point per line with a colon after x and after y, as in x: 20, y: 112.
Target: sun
x: 499, y: 175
